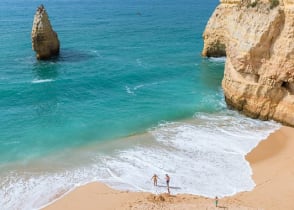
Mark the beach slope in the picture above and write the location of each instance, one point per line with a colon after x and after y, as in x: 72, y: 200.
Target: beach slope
x: 272, y: 162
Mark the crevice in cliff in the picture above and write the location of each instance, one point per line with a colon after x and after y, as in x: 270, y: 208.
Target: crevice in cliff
x: 217, y: 49
x: 289, y: 86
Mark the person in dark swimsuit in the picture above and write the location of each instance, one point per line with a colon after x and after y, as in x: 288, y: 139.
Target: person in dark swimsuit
x: 167, y: 178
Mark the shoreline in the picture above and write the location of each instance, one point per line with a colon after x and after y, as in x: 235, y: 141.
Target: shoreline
x: 268, y: 162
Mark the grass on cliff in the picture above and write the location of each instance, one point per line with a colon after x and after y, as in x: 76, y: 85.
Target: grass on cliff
x: 274, y: 3
x: 253, y: 4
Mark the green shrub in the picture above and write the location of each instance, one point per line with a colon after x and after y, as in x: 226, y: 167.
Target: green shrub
x: 253, y: 4
x: 274, y: 3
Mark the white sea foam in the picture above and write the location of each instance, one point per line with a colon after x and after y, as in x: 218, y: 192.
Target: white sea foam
x: 96, y: 53
x: 137, y: 87
x: 204, y: 156
x: 220, y: 59
x: 42, y: 80
x: 129, y: 91
x: 141, y: 63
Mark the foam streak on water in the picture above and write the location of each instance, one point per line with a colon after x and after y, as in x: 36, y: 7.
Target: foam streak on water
x: 42, y: 80
x: 203, y: 156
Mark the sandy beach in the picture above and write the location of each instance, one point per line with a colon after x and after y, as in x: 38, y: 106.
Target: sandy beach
x: 272, y: 163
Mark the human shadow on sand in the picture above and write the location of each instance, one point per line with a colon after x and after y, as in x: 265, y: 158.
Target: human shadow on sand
x: 222, y: 207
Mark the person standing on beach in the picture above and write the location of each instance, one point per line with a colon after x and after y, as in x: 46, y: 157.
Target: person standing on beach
x: 155, y: 177
x: 216, y: 201
x: 167, y: 178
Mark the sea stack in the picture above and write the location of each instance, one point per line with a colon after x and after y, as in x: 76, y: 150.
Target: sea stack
x: 257, y: 38
x: 44, y: 40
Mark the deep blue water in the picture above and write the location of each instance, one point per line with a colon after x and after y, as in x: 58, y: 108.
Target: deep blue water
x: 124, y: 67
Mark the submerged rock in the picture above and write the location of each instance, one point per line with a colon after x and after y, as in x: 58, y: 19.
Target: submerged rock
x: 44, y: 40
x: 258, y: 40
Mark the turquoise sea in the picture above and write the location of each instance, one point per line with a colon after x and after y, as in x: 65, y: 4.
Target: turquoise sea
x: 129, y: 96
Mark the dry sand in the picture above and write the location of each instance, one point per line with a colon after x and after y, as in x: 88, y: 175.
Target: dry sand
x: 272, y: 162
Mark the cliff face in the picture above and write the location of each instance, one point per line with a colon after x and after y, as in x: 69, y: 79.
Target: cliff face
x: 44, y: 40
x: 258, y: 40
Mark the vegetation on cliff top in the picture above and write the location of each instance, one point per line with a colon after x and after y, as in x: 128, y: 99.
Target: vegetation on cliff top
x: 253, y: 4
x: 274, y: 3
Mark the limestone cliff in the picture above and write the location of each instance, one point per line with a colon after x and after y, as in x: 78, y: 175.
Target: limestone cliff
x: 258, y: 39
x: 44, y: 40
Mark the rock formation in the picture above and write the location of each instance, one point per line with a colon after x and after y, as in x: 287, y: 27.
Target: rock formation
x: 257, y: 38
x: 44, y: 40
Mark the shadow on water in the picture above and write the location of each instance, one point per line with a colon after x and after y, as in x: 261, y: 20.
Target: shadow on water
x: 69, y: 55
x: 48, y: 69
x: 45, y: 74
x: 212, y: 72
x: 45, y: 104
x: 45, y: 90
x: 45, y: 70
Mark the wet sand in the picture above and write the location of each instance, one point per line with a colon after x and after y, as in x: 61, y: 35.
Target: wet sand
x: 272, y: 162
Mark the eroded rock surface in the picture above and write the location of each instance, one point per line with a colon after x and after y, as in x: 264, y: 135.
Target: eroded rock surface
x: 44, y: 40
x: 258, y: 40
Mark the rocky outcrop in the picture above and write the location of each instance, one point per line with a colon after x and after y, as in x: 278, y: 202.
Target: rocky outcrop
x: 258, y: 39
x: 44, y: 40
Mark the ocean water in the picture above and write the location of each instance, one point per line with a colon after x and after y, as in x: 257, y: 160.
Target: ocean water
x: 129, y: 96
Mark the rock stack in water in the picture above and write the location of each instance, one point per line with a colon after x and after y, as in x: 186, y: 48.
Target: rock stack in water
x: 257, y: 36
x: 44, y: 40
